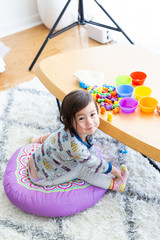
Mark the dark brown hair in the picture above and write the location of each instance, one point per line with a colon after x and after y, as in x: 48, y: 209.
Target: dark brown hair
x: 73, y: 103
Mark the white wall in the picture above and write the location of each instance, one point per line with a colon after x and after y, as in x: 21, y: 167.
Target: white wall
x: 17, y: 15
x: 139, y: 19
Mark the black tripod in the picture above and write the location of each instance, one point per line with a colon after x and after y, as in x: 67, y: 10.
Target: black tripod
x: 82, y: 21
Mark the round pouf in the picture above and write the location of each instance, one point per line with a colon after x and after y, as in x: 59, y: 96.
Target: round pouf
x: 49, y: 11
x: 57, y: 201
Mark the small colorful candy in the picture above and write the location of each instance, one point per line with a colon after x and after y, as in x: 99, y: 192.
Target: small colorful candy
x: 109, y: 117
x: 116, y: 110
x: 103, y: 110
x: 158, y: 109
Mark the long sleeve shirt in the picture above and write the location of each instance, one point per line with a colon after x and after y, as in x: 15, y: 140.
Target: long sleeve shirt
x: 62, y: 151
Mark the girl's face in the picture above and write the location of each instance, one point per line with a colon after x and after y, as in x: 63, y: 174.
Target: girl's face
x: 86, y: 121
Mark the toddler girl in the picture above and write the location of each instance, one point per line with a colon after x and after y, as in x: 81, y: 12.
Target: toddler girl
x: 70, y: 153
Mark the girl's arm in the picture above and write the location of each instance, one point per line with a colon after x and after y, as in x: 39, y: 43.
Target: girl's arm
x: 93, y: 161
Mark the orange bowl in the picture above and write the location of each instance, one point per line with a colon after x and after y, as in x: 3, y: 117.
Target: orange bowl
x: 148, y: 104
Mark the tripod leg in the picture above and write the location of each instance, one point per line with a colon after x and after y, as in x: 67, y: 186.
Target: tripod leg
x: 38, y: 54
x: 58, y: 104
x: 48, y: 37
x: 81, y: 13
x: 118, y: 27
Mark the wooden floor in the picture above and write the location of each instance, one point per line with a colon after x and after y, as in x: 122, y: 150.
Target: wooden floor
x: 25, y: 45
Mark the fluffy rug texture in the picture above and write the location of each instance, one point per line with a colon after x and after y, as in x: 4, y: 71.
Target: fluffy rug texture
x: 29, y: 109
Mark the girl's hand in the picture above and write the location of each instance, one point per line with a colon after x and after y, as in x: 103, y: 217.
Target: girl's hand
x: 117, y: 172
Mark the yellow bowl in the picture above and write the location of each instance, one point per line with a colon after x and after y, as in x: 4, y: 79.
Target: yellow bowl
x: 148, y: 104
x: 142, y: 91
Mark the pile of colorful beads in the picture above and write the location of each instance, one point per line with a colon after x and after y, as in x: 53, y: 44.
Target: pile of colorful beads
x: 105, y: 95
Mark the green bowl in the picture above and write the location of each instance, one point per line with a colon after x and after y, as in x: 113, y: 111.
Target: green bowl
x: 123, y: 79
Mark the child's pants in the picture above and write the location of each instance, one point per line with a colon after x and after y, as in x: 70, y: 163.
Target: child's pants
x: 97, y: 179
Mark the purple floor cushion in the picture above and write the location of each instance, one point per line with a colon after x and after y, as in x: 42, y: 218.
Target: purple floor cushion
x: 56, y: 201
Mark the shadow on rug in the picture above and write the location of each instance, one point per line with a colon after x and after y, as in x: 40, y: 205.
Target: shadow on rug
x: 29, y: 109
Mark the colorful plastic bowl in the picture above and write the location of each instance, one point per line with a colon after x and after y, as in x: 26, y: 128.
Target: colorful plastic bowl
x: 148, y: 104
x: 138, y: 78
x: 128, y: 104
x: 123, y: 79
x: 124, y: 90
x: 142, y: 91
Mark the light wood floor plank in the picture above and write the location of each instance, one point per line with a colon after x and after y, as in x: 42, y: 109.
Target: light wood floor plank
x: 25, y: 45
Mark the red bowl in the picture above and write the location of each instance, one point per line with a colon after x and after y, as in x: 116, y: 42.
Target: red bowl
x: 138, y: 78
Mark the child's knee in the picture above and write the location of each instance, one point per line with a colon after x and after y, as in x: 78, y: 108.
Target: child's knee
x: 32, y: 170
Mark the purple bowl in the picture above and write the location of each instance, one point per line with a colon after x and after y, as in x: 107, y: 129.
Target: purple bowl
x: 128, y: 104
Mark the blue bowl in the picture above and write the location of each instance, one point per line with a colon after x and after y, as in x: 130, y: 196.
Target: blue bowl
x: 124, y: 90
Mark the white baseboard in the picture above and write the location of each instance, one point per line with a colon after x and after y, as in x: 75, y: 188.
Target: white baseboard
x: 19, y: 25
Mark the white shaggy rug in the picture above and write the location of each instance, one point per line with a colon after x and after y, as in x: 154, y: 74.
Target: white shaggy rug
x: 29, y: 109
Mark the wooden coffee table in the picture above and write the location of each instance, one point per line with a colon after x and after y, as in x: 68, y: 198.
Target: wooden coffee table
x: 138, y: 130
